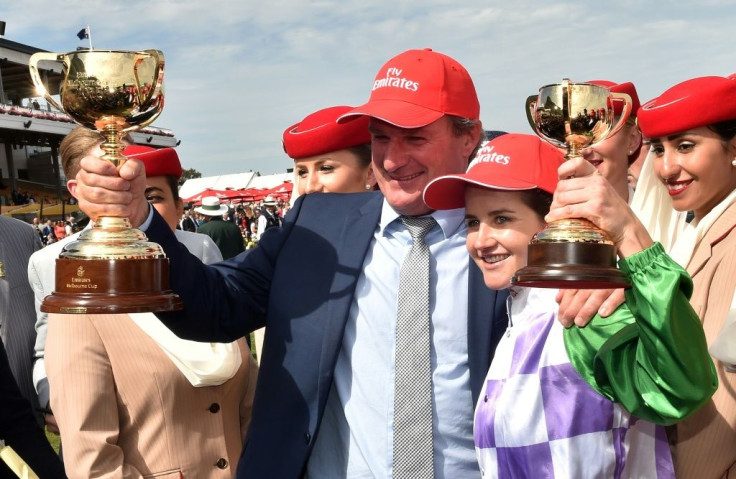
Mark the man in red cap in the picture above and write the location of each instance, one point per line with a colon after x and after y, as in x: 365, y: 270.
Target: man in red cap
x: 326, y: 284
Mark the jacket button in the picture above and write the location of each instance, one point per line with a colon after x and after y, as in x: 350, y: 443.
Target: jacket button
x: 214, y: 407
x: 307, y: 437
x: 221, y: 463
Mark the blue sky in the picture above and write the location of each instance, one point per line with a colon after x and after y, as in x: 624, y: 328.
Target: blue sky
x: 239, y: 72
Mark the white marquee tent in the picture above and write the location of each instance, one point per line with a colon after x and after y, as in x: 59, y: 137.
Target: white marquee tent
x: 235, y: 181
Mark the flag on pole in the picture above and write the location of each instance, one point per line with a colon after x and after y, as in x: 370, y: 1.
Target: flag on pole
x: 83, y: 33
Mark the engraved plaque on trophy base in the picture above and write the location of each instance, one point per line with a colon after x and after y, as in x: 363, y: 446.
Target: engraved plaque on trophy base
x: 111, y: 286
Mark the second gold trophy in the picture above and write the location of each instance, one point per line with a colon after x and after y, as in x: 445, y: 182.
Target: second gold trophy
x: 573, y: 253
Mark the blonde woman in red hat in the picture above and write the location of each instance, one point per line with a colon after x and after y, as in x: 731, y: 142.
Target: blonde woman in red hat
x: 130, y: 398
x: 692, y: 161
x: 578, y: 402
x: 330, y: 157
x: 613, y: 156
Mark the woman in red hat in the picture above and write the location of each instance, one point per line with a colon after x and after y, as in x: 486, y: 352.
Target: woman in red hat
x: 130, y: 398
x: 692, y: 129
x: 612, y: 156
x: 581, y: 402
x: 330, y: 157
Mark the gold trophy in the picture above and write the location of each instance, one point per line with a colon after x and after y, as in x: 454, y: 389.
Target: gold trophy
x: 111, y: 267
x: 573, y: 253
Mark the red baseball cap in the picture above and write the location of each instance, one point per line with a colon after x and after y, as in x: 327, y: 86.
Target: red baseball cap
x: 158, y: 162
x: 511, y: 162
x: 319, y: 133
x: 691, y: 104
x: 418, y: 87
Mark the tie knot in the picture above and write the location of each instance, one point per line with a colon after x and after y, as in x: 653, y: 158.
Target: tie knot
x: 418, y: 226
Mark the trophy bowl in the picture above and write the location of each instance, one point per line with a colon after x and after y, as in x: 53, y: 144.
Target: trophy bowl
x: 111, y: 267
x: 573, y: 253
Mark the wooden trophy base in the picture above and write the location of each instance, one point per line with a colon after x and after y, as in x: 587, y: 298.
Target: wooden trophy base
x: 571, y: 265
x: 111, y: 286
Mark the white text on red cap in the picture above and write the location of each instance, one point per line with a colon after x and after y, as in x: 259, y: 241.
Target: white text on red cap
x: 487, y: 155
x: 393, y: 79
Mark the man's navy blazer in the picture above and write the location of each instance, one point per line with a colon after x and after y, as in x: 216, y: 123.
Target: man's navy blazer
x: 299, y: 282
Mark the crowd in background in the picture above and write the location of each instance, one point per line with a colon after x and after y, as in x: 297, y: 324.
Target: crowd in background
x: 245, y: 216
x: 50, y: 231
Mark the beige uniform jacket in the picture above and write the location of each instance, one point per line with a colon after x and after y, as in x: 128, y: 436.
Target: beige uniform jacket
x: 705, y: 443
x: 125, y: 411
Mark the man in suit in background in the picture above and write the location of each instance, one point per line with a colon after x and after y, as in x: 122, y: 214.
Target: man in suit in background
x: 269, y: 217
x: 326, y: 285
x: 187, y: 222
x: 18, y: 240
x: 19, y: 419
x: 225, y: 234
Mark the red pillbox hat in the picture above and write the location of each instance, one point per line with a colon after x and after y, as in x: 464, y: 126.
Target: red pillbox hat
x: 158, y: 162
x: 418, y: 87
x: 319, y: 133
x: 511, y: 162
x: 630, y: 90
x: 691, y: 104
x: 627, y: 88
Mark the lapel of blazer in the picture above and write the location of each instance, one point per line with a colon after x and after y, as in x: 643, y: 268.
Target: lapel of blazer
x: 715, y: 235
x: 4, y: 292
x: 487, y: 320
x: 352, y: 246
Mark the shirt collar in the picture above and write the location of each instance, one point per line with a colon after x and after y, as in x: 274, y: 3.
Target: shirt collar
x: 450, y: 221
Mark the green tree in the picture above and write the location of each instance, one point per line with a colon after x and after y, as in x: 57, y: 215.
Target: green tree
x: 188, y: 173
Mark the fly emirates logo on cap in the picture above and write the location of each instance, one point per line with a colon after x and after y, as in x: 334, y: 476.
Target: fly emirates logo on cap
x: 487, y: 155
x: 394, y: 79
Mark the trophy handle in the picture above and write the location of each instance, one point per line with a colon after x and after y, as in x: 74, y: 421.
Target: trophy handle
x: 625, y: 113
x: 36, y: 77
x: 531, y: 106
x: 158, y: 73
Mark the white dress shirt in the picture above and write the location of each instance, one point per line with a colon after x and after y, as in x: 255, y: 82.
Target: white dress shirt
x: 355, y: 438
